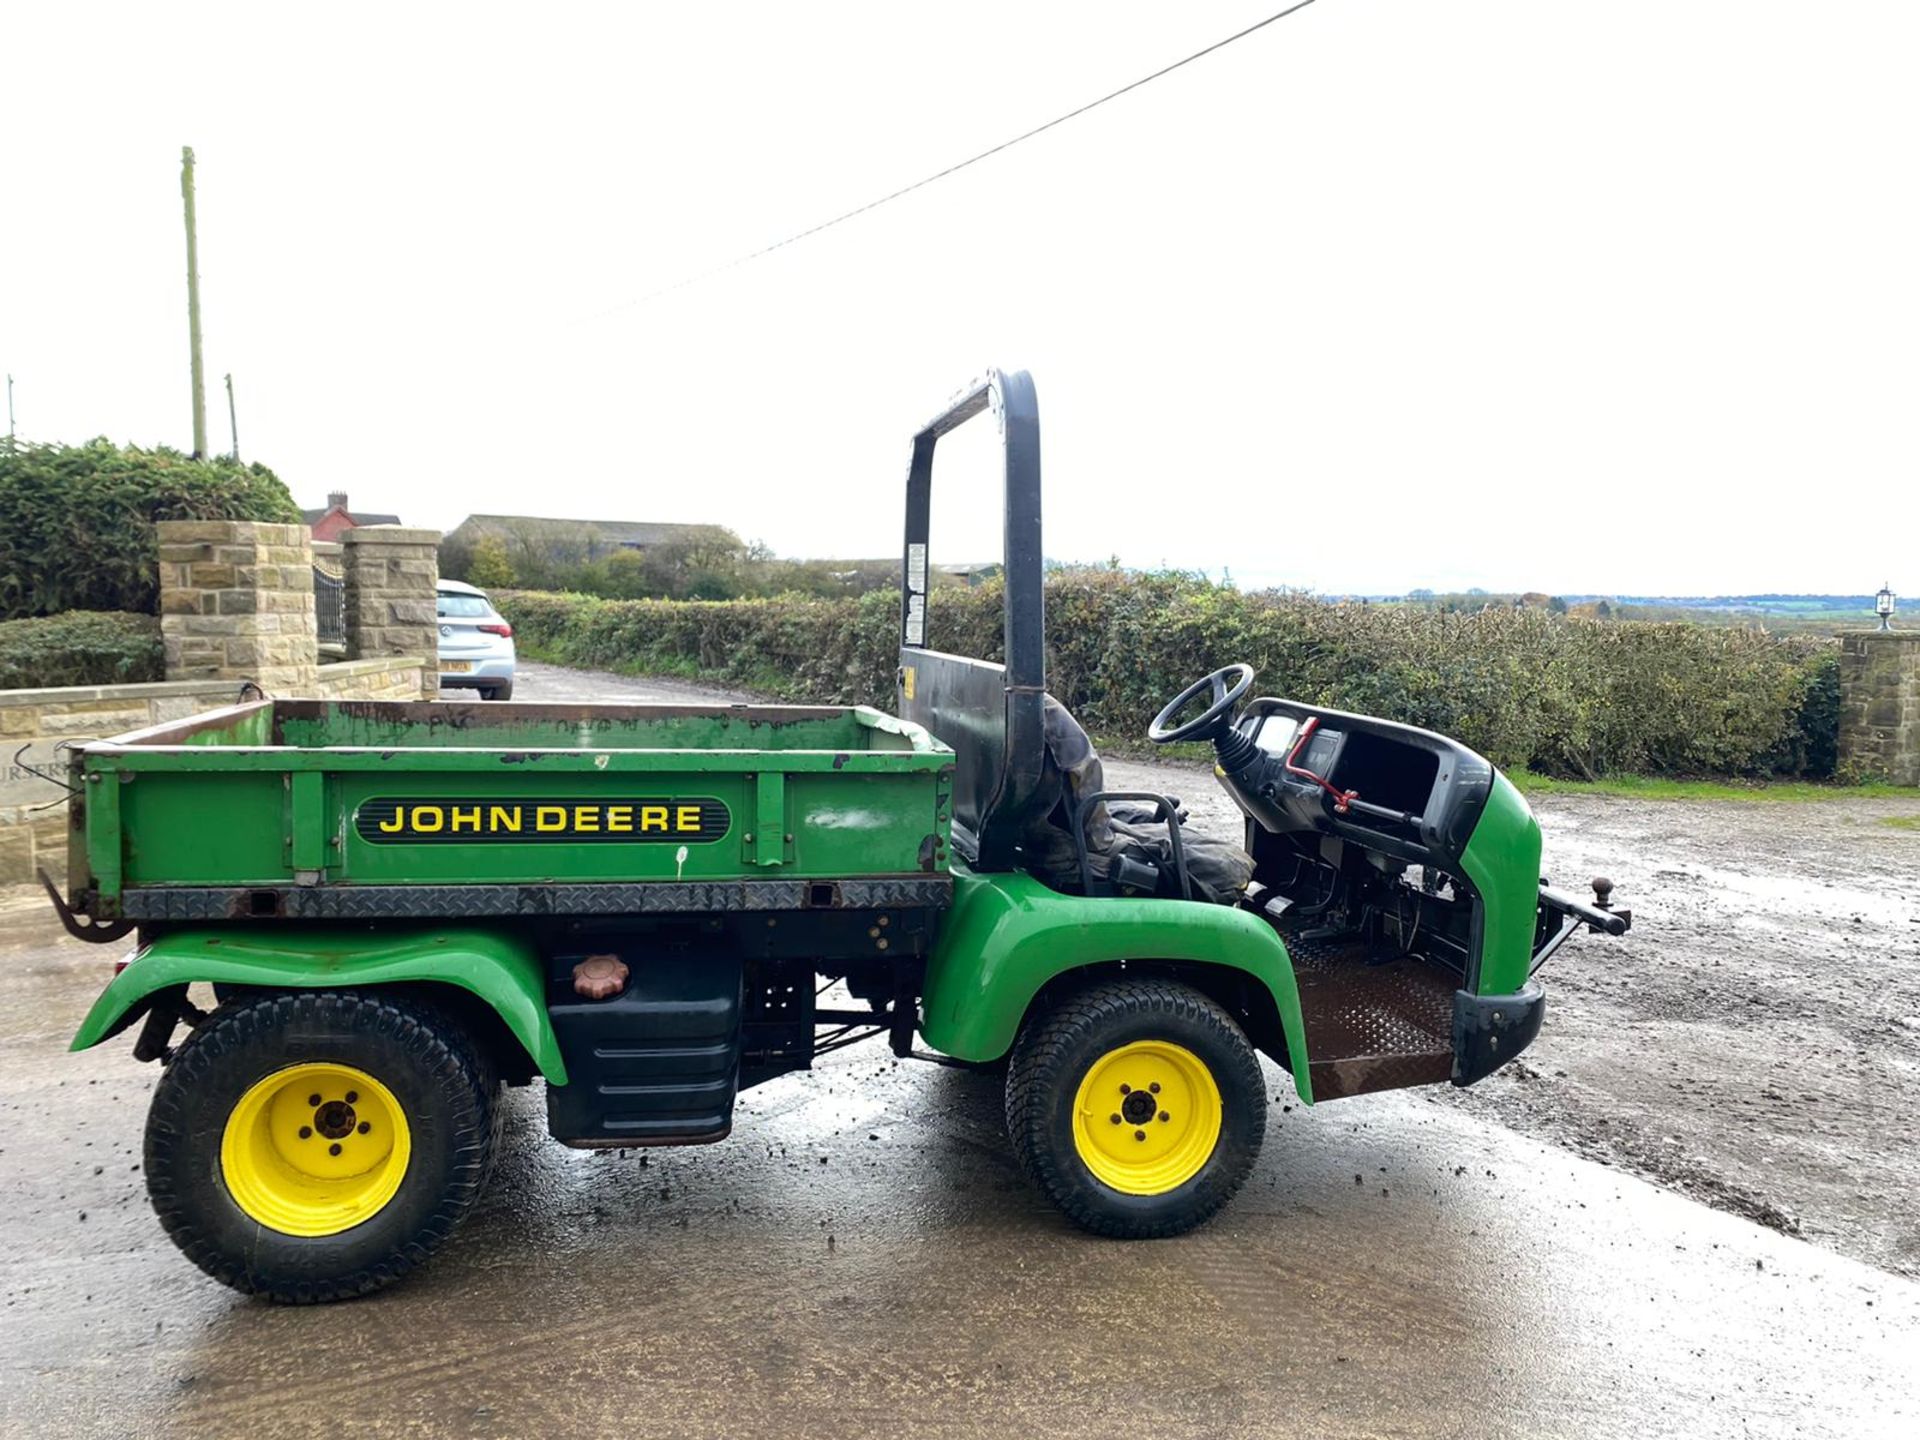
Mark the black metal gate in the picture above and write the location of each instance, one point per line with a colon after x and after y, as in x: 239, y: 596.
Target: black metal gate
x: 330, y: 607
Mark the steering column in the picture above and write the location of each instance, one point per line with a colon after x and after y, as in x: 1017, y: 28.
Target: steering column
x: 1223, y: 690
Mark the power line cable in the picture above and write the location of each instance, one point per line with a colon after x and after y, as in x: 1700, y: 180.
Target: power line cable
x: 955, y: 169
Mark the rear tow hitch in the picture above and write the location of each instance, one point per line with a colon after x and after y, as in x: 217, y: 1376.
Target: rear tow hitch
x: 94, y: 932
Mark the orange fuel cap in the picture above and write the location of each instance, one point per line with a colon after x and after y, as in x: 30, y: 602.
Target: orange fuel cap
x: 599, y: 977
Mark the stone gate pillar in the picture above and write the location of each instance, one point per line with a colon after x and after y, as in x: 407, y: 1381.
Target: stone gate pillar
x: 1880, y: 705
x: 236, y: 603
x: 392, y: 573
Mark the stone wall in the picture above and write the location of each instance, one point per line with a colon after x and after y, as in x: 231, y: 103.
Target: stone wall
x: 1880, y: 706
x: 236, y: 603
x: 392, y: 573
x: 33, y: 819
x: 394, y: 677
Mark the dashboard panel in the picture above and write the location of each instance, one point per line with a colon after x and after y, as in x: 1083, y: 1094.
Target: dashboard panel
x: 1418, y: 794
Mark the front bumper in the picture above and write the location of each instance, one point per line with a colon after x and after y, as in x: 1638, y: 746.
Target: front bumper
x: 1489, y: 1030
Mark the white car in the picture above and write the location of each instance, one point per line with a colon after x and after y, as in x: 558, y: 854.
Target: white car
x: 476, y: 644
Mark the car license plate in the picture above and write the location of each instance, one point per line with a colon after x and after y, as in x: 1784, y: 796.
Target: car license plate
x: 455, y: 667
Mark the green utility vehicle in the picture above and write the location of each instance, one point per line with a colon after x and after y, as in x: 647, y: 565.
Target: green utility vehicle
x: 400, y: 907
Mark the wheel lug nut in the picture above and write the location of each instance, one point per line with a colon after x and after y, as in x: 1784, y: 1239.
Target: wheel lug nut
x: 314, y: 1101
x: 1165, y: 1116
x: 1154, y: 1087
x: 353, y: 1096
x: 334, y: 1149
x: 306, y: 1132
x: 1126, y: 1089
x: 365, y: 1126
x: 1139, y: 1134
x: 1116, y: 1119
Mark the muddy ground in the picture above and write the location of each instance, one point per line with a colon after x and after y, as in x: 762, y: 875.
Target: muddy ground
x: 864, y: 1258
x: 1754, y: 1042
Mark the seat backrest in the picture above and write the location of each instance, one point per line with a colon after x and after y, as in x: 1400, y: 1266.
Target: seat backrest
x: 991, y: 714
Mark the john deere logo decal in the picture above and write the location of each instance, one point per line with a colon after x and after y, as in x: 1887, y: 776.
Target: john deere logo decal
x: 470, y: 822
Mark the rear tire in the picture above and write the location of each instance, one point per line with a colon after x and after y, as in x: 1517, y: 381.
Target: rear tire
x: 318, y: 1145
x: 1137, y: 1106
x: 502, y: 691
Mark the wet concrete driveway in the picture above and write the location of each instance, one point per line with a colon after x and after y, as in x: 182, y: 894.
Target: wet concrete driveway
x: 863, y: 1258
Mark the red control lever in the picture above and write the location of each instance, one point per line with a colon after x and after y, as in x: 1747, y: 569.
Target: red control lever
x: 1342, y: 799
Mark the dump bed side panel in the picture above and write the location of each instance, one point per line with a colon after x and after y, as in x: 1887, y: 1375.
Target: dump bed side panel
x: 523, y: 826
x: 240, y: 814
x: 201, y: 829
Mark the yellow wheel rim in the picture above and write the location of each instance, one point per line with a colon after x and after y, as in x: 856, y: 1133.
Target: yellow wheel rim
x: 1147, y: 1117
x: 315, y: 1149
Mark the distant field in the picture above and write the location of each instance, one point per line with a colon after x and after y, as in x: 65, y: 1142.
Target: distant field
x: 1811, y: 614
x: 1794, y: 614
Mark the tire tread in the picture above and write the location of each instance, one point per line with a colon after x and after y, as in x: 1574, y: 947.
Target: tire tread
x: 1040, y: 1056
x: 447, y: 1053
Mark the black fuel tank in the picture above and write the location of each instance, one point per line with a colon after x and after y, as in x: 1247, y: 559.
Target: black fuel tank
x: 657, y: 1064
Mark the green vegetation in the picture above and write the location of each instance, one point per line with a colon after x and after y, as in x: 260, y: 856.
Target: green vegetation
x: 1652, y: 787
x: 1561, y: 696
x: 697, y: 562
x: 81, y: 647
x: 1902, y: 822
x: 76, y: 521
x: 489, y: 567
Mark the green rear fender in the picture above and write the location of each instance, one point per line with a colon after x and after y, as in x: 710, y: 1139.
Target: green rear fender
x: 503, y: 971
x: 1008, y: 935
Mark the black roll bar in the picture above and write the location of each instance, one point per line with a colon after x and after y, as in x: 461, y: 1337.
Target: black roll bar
x: 992, y: 714
x: 1012, y: 400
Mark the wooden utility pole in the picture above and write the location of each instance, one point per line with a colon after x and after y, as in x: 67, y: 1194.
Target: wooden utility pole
x: 193, y: 308
x: 233, y: 421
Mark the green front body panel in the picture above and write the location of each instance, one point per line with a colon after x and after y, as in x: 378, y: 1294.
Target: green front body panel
x: 499, y: 968
x: 1008, y: 935
x: 1502, y: 859
x: 294, y: 794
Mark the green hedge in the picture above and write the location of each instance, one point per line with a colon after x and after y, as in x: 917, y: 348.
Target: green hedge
x: 1527, y: 688
x: 76, y: 521
x: 82, y: 647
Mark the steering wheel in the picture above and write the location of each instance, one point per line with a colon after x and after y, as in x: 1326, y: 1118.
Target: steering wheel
x: 1226, y: 686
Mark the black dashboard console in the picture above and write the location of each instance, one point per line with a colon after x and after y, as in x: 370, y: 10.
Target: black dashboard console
x: 1397, y: 789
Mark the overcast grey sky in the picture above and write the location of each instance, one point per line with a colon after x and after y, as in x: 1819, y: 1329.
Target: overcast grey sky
x: 1515, y: 293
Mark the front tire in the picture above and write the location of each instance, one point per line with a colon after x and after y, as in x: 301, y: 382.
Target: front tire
x: 318, y: 1145
x: 1137, y: 1106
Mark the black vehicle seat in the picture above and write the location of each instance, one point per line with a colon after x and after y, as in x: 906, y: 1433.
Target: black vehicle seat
x: 1217, y: 869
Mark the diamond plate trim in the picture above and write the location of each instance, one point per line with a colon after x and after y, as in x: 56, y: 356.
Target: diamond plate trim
x: 1370, y: 1027
x: 149, y: 904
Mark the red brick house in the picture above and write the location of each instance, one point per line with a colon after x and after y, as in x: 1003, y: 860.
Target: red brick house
x: 328, y: 524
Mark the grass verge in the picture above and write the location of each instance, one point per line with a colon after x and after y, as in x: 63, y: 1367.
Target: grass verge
x: 1647, y: 787
x: 1637, y: 787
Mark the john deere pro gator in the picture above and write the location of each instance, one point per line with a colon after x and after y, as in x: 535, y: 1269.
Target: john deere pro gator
x: 367, y: 918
